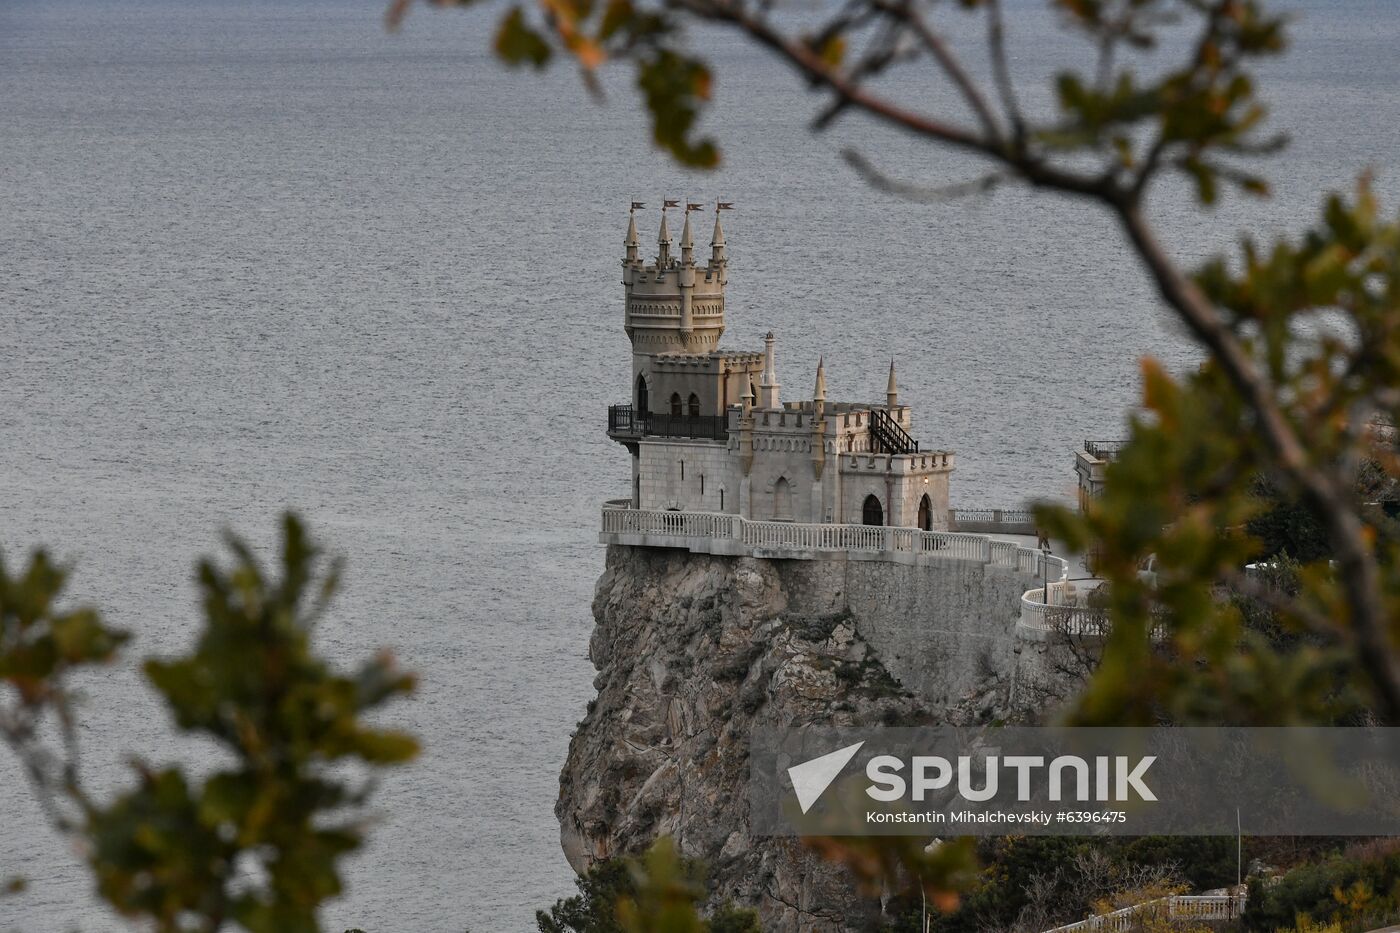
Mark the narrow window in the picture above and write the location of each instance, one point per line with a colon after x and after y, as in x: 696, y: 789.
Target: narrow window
x: 675, y: 404
x: 694, y: 405
x: 682, y: 469
x: 702, y: 484
x: 721, y: 498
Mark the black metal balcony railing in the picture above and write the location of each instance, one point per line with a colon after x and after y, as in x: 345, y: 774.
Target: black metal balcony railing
x: 621, y: 420
x: 624, y: 421
x: 710, y: 427
x: 1104, y: 450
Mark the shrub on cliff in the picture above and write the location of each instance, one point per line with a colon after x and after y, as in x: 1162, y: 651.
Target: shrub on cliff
x: 1358, y: 889
x: 659, y: 891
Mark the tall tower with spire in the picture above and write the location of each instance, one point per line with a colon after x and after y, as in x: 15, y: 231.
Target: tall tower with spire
x: 673, y: 305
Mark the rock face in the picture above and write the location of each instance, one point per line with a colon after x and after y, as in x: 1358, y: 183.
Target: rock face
x: 695, y: 651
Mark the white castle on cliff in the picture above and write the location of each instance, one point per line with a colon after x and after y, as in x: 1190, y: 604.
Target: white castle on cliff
x: 708, y: 432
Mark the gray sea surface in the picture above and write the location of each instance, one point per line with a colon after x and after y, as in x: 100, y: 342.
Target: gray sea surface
x: 259, y: 255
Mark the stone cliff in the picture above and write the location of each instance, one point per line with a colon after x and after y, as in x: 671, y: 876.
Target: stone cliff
x: 695, y: 651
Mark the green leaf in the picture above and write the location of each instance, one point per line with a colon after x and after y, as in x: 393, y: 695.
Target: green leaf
x: 517, y: 43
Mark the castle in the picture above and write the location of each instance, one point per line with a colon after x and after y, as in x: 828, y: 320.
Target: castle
x: 708, y: 432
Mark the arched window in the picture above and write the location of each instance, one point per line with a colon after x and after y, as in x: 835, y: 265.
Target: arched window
x: 675, y: 404
x: 872, y: 513
x: 642, y: 394
x: 925, y: 513
x: 693, y: 406
x: 782, y: 500
x: 721, y: 498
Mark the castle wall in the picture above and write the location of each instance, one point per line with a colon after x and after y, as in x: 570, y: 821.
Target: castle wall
x: 855, y: 487
x: 780, y: 457
x: 940, y: 628
x: 662, y: 486
x: 913, y: 488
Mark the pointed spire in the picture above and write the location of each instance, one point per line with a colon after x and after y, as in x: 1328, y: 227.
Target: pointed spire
x: 633, y: 242
x: 891, y: 392
x: 663, y: 243
x: 819, y: 393
x: 687, y: 242
x: 717, y: 252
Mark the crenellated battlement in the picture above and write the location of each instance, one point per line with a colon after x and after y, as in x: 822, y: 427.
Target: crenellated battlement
x: 673, y: 304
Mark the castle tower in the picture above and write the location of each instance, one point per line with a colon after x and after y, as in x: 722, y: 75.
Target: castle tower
x: 672, y: 305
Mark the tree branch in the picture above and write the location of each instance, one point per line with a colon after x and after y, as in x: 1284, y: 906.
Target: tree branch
x: 905, y: 13
x: 919, y: 193
x: 1357, y: 566
x: 1001, y: 72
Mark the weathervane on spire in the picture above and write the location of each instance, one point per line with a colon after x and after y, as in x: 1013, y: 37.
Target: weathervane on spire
x: 693, y: 207
x: 636, y: 206
x: 724, y: 206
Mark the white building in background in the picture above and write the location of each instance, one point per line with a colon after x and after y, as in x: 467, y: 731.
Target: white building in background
x: 708, y: 432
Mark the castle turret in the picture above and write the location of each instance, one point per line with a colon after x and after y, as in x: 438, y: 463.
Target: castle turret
x: 687, y: 242
x: 891, y: 392
x: 633, y: 243
x: 672, y: 307
x: 719, y: 259
x: 663, y: 244
x: 768, y: 388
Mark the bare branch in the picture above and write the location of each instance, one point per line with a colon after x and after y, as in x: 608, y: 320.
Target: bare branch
x: 1001, y: 72
x: 811, y: 66
x: 919, y: 193
x: 904, y: 12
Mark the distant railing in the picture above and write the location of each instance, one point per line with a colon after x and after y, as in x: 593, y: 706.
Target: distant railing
x: 625, y: 421
x: 993, y: 521
x: 1175, y: 907
x: 1041, y: 617
x: 747, y: 535
x: 1104, y: 450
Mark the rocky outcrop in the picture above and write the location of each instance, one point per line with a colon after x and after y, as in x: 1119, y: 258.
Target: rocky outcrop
x: 695, y: 651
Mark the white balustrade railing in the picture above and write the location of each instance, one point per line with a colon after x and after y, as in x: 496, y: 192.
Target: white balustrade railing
x: 684, y: 524
x: 992, y: 516
x: 1041, y: 615
x: 1175, y: 907
x: 618, y: 518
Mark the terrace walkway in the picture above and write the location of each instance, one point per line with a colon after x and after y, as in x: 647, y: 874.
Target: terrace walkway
x: 723, y: 533
x: 1040, y: 619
